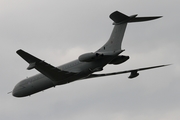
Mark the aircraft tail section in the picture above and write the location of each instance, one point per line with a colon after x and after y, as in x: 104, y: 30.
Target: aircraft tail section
x: 120, y: 23
x: 119, y: 18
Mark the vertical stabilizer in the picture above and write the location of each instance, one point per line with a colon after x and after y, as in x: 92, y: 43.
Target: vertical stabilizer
x: 120, y: 22
x: 115, y: 40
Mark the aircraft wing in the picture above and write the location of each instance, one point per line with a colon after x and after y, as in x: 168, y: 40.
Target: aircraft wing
x: 46, y: 69
x: 133, y: 73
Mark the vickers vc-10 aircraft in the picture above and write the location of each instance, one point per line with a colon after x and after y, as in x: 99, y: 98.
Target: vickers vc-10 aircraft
x: 85, y: 65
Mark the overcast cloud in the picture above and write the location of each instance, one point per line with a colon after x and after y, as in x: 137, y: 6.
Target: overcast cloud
x: 59, y: 31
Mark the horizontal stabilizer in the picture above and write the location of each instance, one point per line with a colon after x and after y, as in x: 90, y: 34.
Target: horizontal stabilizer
x: 141, y: 19
x: 119, y: 17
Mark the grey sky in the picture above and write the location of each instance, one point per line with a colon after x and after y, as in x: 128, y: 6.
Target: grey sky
x: 60, y: 31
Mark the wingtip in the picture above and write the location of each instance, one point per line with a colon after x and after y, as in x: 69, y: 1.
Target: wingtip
x: 164, y: 65
x: 18, y: 51
x: 168, y: 64
x: 158, y: 17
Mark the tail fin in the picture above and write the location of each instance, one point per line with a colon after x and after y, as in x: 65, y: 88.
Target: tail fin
x: 118, y: 17
x: 120, y: 22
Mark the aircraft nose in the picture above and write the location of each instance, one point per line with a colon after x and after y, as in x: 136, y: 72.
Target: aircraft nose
x: 17, y: 91
x: 14, y: 93
x: 22, y: 89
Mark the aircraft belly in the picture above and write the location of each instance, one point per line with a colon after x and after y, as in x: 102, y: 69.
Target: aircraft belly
x: 41, y: 84
x: 88, y: 67
x: 84, y: 69
x: 32, y: 85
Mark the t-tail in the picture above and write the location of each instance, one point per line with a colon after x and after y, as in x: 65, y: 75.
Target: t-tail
x: 120, y: 23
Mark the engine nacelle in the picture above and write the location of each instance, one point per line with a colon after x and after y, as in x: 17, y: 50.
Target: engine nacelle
x: 133, y: 74
x: 119, y: 59
x: 89, y: 57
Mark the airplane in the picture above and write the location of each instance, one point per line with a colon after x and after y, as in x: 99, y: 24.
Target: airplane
x: 86, y: 64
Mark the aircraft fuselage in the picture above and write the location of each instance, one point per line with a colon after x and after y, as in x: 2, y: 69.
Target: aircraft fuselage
x: 85, y: 65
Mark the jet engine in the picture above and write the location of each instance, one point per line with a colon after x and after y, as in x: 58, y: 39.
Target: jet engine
x: 89, y: 57
x: 119, y: 59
